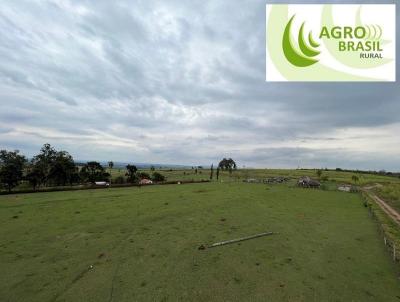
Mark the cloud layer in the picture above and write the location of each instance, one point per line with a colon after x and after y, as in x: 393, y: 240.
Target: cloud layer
x: 177, y: 82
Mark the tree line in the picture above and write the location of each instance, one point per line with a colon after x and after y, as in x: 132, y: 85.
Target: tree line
x: 57, y: 168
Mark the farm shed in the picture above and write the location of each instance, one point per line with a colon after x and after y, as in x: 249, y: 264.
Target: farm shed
x: 278, y: 179
x: 145, y: 182
x: 307, y: 182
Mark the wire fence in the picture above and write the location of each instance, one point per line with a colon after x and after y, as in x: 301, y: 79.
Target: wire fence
x: 94, y: 187
x: 388, y: 238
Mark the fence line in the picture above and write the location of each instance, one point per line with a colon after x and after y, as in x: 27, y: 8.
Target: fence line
x: 93, y: 187
x: 387, y: 240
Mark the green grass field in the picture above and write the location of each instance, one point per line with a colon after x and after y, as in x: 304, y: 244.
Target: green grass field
x: 390, y: 193
x: 141, y: 244
x: 330, y: 177
x: 240, y: 174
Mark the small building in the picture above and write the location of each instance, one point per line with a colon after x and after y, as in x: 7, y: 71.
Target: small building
x: 344, y: 188
x: 347, y: 188
x: 145, y: 181
x: 276, y: 180
x: 251, y: 180
x: 307, y: 182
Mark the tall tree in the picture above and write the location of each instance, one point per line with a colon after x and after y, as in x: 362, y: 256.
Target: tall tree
x: 217, y: 173
x: 212, y: 171
x: 11, y: 168
x: 43, y: 162
x: 52, y: 167
x: 63, y: 169
x: 131, y: 174
x: 227, y: 164
x: 93, y: 171
x: 110, y: 166
x: 34, y: 177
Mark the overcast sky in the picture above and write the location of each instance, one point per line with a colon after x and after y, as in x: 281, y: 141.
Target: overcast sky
x: 178, y: 82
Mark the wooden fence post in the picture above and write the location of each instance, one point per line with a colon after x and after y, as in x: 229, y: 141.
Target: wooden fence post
x: 394, y: 252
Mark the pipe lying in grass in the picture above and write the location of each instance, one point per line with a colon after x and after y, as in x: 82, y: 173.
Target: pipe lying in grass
x: 202, y: 247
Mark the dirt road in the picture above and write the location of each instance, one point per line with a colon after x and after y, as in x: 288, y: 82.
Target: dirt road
x: 392, y: 213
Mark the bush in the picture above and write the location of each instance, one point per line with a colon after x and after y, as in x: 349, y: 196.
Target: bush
x: 354, y: 189
x: 144, y: 175
x: 119, y: 180
x: 157, y: 177
x: 324, y: 187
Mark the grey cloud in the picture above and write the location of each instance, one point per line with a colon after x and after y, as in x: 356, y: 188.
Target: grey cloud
x: 181, y: 82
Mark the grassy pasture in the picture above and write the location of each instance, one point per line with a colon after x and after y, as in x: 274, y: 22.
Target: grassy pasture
x: 334, y: 177
x: 140, y: 244
x: 240, y: 174
x: 390, y: 193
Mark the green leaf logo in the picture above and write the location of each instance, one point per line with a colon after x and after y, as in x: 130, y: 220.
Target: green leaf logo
x: 304, y: 56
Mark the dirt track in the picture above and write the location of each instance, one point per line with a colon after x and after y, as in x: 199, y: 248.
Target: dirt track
x: 384, y: 206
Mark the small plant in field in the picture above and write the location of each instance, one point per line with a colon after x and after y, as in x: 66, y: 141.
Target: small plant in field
x: 319, y: 173
x: 355, y: 178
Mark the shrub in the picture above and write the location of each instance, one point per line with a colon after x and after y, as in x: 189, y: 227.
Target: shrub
x: 119, y: 180
x: 354, y: 189
x: 324, y: 187
x: 144, y: 175
x: 157, y: 177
